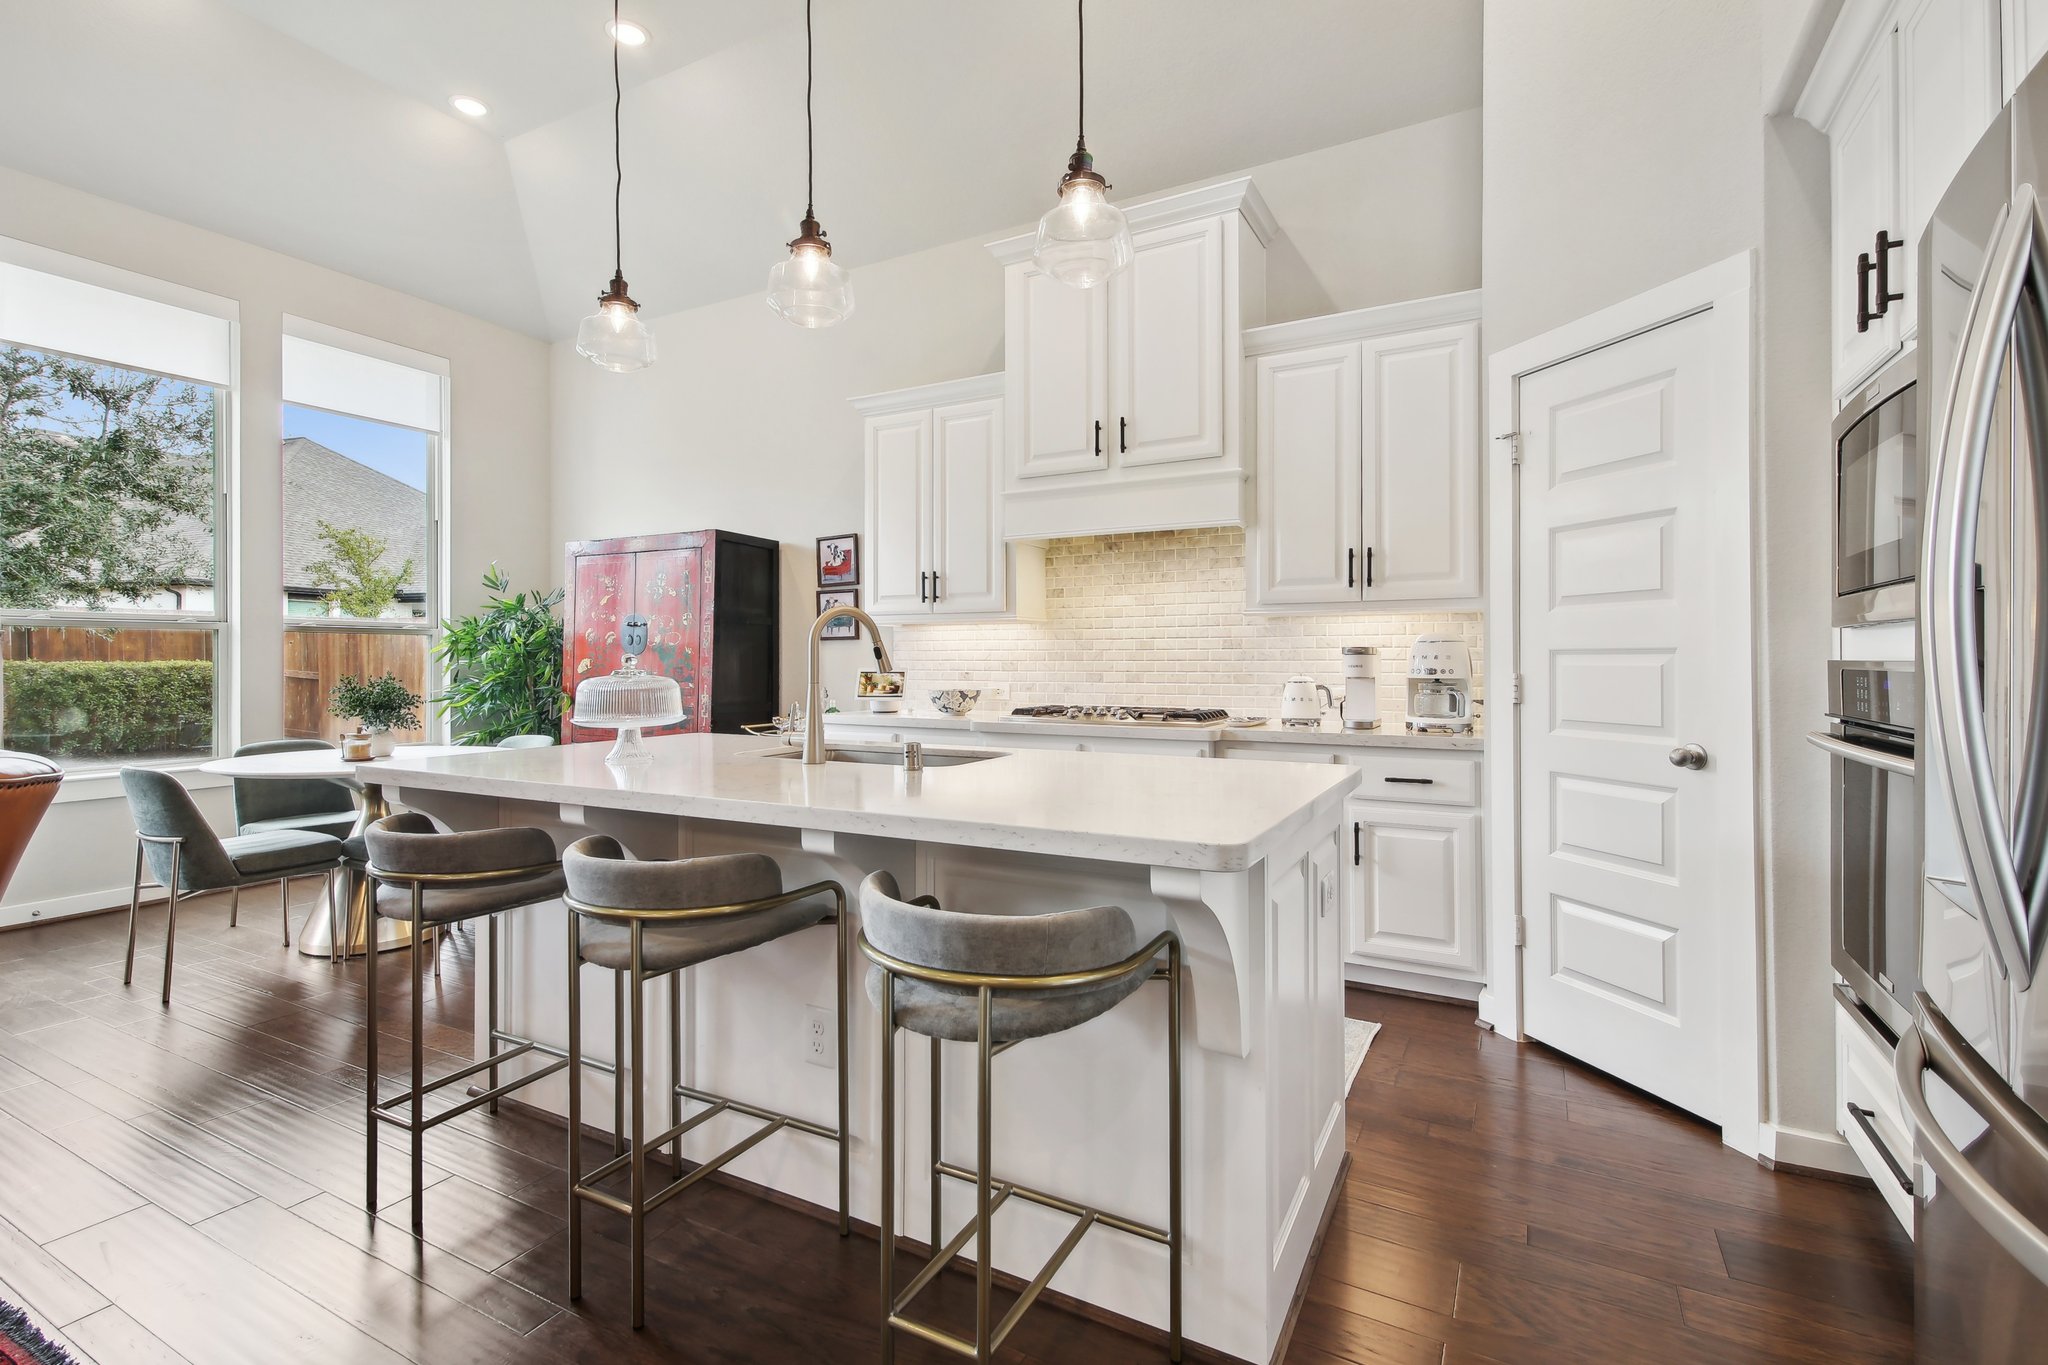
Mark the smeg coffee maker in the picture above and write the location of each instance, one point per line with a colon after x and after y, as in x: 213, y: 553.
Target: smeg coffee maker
x: 1439, y: 685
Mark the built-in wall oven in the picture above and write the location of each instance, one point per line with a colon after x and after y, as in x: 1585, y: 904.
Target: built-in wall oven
x: 1873, y: 710
x: 1877, y: 499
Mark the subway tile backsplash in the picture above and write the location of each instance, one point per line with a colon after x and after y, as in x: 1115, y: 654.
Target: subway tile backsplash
x: 1159, y: 617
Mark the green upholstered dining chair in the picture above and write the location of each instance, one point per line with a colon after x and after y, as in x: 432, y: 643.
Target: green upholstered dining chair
x: 186, y: 857
x: 264, y: 804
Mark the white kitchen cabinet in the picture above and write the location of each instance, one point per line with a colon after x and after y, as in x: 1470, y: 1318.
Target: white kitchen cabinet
x: 2025, y: 27
x: 1367, y: 430
x: 1123, y: 401
x: 1414, y: 887
x: 1902, y: 90
x: 934, y: 547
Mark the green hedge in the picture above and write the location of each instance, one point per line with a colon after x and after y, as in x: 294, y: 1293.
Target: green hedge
x: 84, y: 709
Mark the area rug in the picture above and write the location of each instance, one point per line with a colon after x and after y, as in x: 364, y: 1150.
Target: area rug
x: 1358, y: 1036
x: 22, y: 1344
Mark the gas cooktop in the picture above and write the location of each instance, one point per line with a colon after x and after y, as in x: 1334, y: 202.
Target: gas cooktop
x: 1126, y: 715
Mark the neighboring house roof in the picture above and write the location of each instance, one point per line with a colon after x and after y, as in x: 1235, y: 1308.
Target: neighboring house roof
x: 325, y: 485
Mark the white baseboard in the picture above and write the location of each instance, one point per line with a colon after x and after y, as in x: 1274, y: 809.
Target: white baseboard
x: 1806, y: 1149
x: 1415, y: 983
x: 65, y: 907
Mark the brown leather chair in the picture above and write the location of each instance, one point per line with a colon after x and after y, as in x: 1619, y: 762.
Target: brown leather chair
x: 27, y: 786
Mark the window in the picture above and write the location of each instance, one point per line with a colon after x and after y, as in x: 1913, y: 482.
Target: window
x: 361, y: 448
x: 111, y: 469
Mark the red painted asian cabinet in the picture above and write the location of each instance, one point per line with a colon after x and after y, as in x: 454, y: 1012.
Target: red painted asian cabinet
x: 711, y: 600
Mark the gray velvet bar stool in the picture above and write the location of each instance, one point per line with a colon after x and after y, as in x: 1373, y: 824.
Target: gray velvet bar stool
x: 647, y: 920
x: 186, y: 857
x: 429, y: 879
x: 996, y: 981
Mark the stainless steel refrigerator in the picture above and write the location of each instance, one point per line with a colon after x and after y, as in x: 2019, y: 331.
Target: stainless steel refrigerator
x: 1973, y: 1068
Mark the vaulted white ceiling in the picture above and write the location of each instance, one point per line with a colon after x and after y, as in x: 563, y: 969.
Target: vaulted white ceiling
x: 322, y: 130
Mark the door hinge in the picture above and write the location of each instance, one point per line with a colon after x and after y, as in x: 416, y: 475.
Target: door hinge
x: 1521, y: 931
x: 1514, y: 440
x: 1516, y: 692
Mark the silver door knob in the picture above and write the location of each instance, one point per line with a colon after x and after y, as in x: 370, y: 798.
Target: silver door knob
x: 1689, y: 756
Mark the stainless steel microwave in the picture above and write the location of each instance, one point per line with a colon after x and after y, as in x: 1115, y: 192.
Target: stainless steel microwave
x: 1877, y: 499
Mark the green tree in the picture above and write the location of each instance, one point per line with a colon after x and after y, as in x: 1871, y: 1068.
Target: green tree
x: 350, y: 569
x: 106, y: 482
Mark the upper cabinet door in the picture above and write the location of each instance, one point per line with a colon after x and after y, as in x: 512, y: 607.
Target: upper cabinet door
x: 1421, y: 428
x: 899, y: 487
x: 2026, y: 39
x: 1167, y: 330
x: 969, y: 556
x: 1864, y: 171
x: 1058, y: 339
x: 1948, y: 61
x: 1310, y: 534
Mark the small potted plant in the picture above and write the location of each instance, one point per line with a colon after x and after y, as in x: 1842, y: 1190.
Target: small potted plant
x: 378, y: 706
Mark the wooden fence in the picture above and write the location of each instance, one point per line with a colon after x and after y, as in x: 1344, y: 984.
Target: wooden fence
x: 314, y: 660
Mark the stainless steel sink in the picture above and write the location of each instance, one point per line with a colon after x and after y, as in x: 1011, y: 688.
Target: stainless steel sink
x: 891, y: 756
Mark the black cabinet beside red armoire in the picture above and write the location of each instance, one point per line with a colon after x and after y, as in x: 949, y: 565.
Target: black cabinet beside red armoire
x: 711, y: 600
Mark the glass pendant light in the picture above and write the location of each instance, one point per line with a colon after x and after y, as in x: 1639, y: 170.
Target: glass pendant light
x: 810, y: 289
x: 1083, y: 239
x: 614, y: 336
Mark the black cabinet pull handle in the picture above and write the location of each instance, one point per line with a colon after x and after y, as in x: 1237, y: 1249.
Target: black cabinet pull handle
x: 1882, y: 267
x: 1412, y: 781
x: 935, y: 585
x: 1098, y: 438
x: 1123, y: 437
x: 922, y: 579
x: 1864, y: 317
x: 1368, y: 566
x: 1351, y: 568
x: 1863, y: 1119
x: 1356, y: 857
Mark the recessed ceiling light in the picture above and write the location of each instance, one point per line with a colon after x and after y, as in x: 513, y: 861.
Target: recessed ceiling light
x: 470, y: 105
x: 627, y: 32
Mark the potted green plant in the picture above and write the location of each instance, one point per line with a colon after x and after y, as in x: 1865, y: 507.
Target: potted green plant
x: 378, y: 706
x: 504, y: 666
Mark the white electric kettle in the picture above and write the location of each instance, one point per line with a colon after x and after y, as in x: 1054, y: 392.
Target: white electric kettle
x: 1304, y: 701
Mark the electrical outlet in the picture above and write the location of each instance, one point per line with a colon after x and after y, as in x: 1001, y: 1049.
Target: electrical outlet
x: 820, y: 1047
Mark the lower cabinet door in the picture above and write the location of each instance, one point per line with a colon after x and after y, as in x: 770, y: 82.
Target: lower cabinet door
x: 1414, y: 888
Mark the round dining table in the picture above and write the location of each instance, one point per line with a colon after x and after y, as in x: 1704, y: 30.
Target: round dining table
x: 316, y: 934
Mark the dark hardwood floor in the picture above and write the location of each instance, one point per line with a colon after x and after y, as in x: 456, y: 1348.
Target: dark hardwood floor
x: 184, y: 1185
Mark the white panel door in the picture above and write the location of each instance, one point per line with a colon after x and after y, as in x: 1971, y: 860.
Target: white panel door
x: 1626, y: 657
x: 1421, y: 430
x: 1948, y: 95
x: 1058, y: 364
x: 899, y: 509
x: 1415, y: 887
x: 969, y: 555
x: 1166, y: 329
x: 1310, y: 537
x: 1863, y: 166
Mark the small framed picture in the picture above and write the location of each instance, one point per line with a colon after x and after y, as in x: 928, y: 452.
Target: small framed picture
x: 838, y: 560
x: 839, y: 627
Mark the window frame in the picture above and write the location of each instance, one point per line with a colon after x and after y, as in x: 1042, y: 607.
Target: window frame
x: 216, y: 623
x: 434, y: 553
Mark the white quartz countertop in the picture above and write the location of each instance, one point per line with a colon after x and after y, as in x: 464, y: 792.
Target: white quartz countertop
x: 1391, y: 734
x: 1134, y: 808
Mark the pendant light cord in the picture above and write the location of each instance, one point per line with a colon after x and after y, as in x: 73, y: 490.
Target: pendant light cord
x: 618, y: 157
x: 810, y: 129
x: 1081, y: 73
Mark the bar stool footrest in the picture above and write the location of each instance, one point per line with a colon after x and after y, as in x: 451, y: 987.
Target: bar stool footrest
x: 1086, y: 1219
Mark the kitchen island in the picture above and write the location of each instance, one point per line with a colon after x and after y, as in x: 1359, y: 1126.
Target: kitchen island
x: 1242, y: 859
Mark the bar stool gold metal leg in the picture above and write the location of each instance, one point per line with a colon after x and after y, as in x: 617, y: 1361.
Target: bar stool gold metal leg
x: 675, y: 1074
x: 491, y: 1004
x: 638, y: 1175
x: 937, y: 1152
x: 618, y: 1063
x: 887, y: 1216
x: 575, y: 1109
x: 419, y: 1071
x: 1173, y: 1170
x: 375, y: 1085
x: 984, y: 1257
x: 842, y: 932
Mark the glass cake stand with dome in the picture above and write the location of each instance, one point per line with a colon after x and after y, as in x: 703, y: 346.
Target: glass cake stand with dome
x: 629, y: 700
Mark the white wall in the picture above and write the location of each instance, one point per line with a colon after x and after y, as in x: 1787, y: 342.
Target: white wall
x: 1626, y: 144
x: 498, y: 447
x: 743, y: 424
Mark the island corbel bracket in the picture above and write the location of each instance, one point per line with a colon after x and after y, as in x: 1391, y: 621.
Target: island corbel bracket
x: 1213, y: 913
